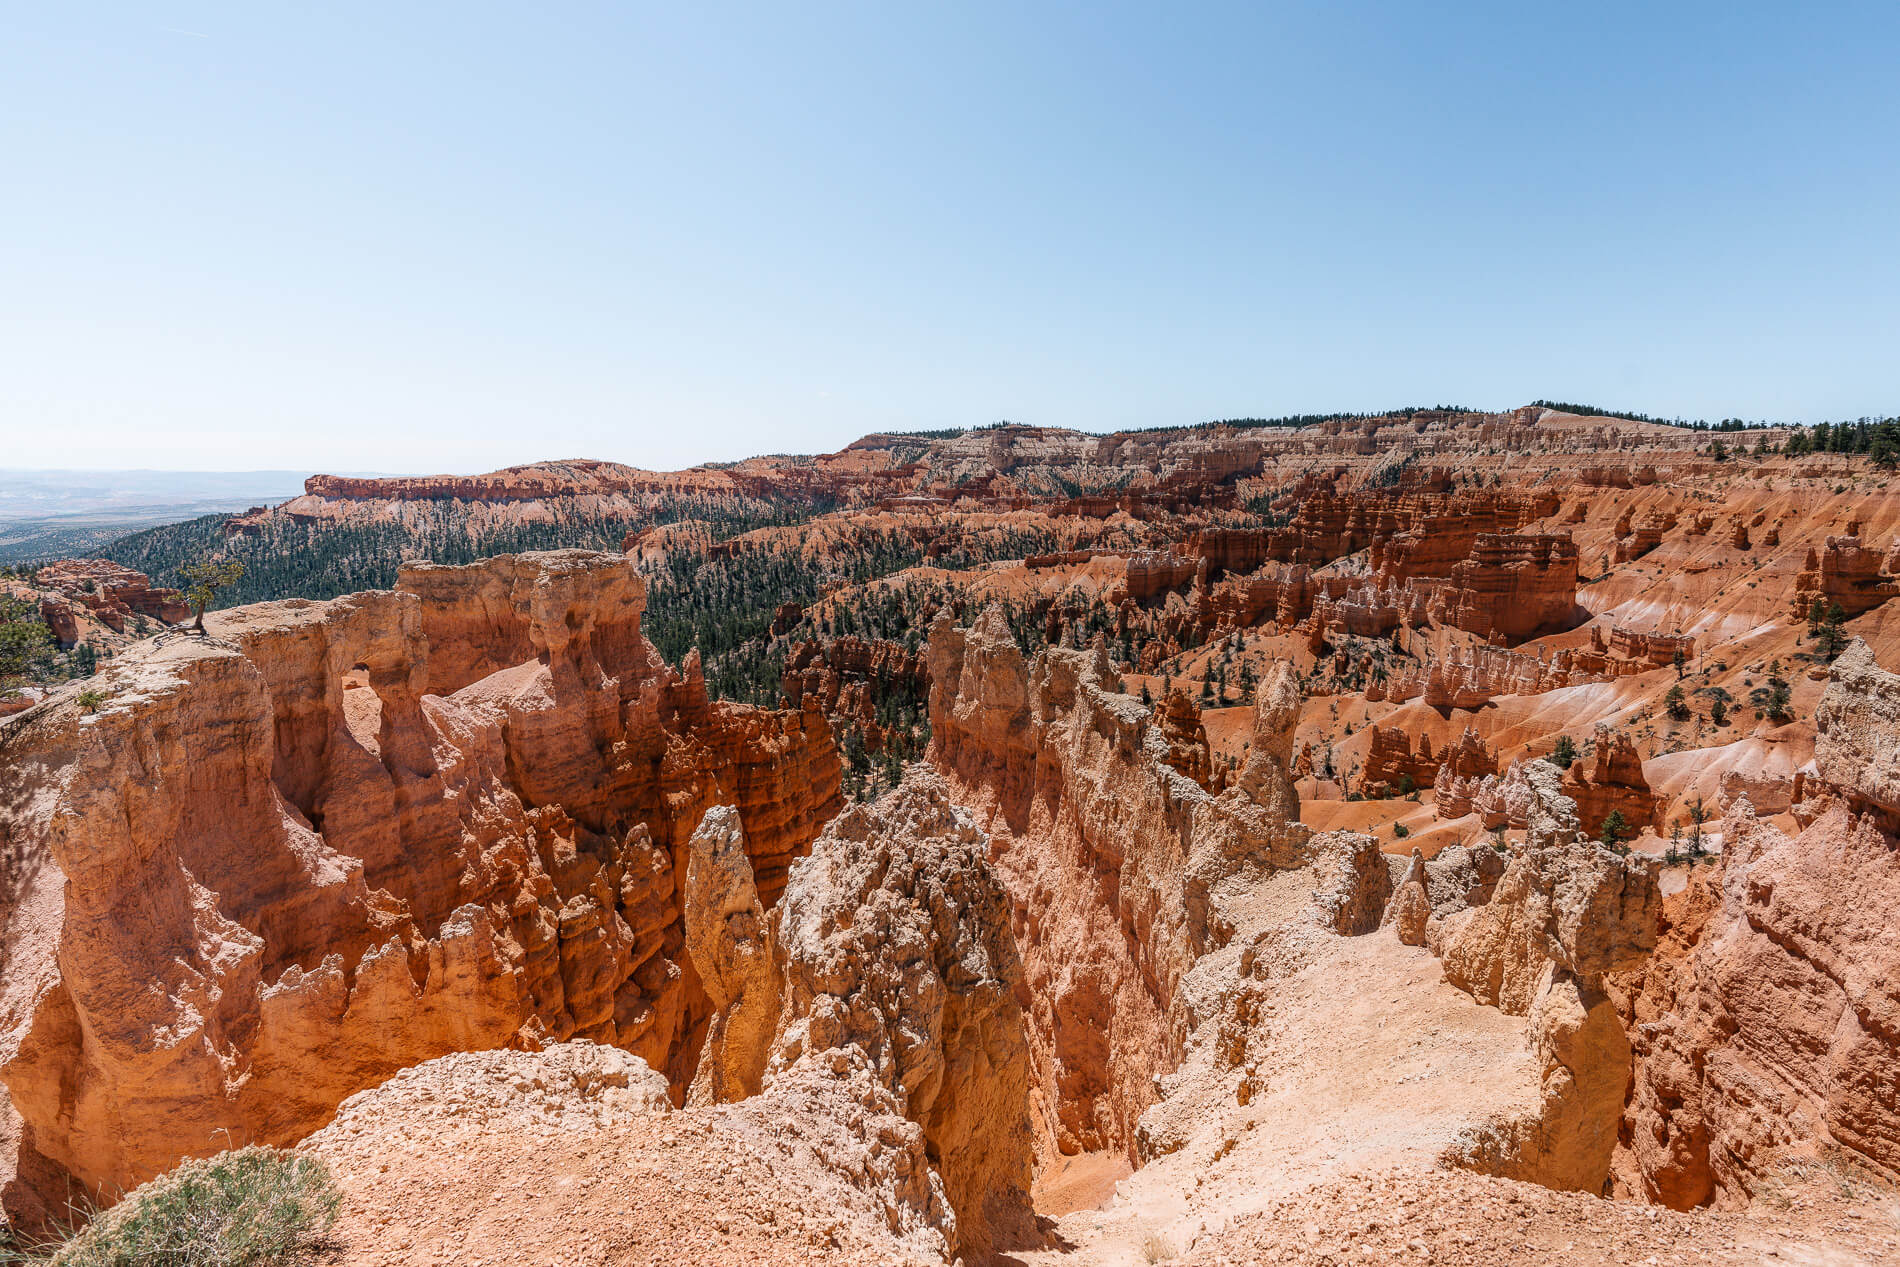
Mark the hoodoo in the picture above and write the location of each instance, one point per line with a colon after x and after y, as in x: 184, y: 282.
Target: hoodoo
x: 331, y: 840
x: 1001, y: 846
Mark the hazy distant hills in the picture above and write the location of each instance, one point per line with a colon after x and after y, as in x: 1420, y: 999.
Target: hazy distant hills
x: 48, y: 513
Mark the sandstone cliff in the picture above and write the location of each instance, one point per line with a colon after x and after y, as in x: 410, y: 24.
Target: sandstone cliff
x: 900, y: 968
x: 335, y: 839
x: 1564, y: 915
x: 1769, y: 1020
x: 1110, y: 856
x: 1855, y: 729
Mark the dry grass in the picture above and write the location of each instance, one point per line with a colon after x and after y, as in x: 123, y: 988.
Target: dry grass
x: 251, y: 1207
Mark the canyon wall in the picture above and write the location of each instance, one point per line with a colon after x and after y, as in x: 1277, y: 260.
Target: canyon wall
x: 334, y: 839
x: 900, y: 971
x: 1769, y: 1019
x: 113, y: 595
x: 1110, y: 856
x: 1563, y: 917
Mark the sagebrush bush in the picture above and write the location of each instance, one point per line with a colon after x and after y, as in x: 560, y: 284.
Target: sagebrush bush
x: 251, y: 1207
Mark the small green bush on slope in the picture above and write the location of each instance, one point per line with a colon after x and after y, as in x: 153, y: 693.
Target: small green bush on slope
x: 251, y: 1207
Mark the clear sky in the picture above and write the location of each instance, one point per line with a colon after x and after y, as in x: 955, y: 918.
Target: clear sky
x: 421, y: 237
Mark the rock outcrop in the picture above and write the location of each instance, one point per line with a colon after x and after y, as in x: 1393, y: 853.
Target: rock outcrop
x: 1855, y: 727
x: 1767, y: 1022
x: 1564, y: 916
x: 1511, y: 587
x: 1577, y: 908
x: 1768, y: 1019
x: 900, y: 967
x: 1110, y: 855
x: 845, y: 678
x: 1411, y: 903
x: 1394, y: 768
x: 1267, y: 776
x: 1636, y: 540
x: 1611, y: 782
x: 1461, y: 771
x: 1472, y: 676
x: 1352, y: 885
x: 545, y: 1156
x: 729, y: 942
x: 1462, y: 876
x: 1843, y: 573
x: 336, y: 839
x: 1178, y: 719
x: 97, y: 601
x: 113, y: 592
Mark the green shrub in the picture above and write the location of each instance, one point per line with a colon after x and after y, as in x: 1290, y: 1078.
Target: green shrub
x: 252, y: 1207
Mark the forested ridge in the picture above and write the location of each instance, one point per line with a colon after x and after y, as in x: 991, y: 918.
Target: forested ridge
x: 285, y: 557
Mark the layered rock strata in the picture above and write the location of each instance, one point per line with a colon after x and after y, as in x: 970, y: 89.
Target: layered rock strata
x: 1511, y: 587
x: 1611, y: 781
x: 1564, y: 916
x: 335, y: 839
x: 98, y: 601
x: 1110, y: 855
x: 1472, y: 676
x: 900, y: 969
x: 1769, y: 1019
x: 1843, y: 573
x: 1394, y: 768
x: 1461, y: 773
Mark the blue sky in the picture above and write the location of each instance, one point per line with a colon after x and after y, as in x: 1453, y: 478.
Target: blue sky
x: 452, y: 237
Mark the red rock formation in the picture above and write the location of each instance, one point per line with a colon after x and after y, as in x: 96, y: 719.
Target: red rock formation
x: 1612, y: 783
x: 335, y: 839
x: 1613, y: 780
x: 1370, y: 609
x: 1392, y: 768
x: 1846, y: 573
x: 1511, y: 588
x: 1767, y: 1021
x: 1111, y: 859
x: 785, y: 618
x: 516, y: 483
x: 1462, y: 769
x: 1472, y: 676
x: 1178, y: 718
x: 1229, y: 549
x: 1764, y: 1025
x: 845, y: 677
x: 112, y: 593
x: 1614, y: 476
x: 1155, y: 572
x: 1633, y: 542
x: 1064, y: 559
x: 1649, y: 650
x: 1408, y: 533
